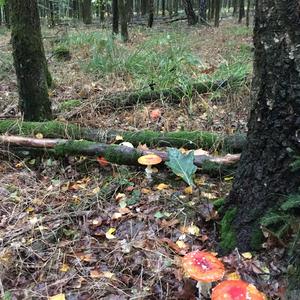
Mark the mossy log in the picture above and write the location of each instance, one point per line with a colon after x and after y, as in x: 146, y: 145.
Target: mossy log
x: 177, y: 139
x: 117, y: 154
x: 131, y: 98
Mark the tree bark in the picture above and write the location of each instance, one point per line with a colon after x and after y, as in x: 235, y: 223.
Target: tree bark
x: 123, y: 19
x: 248, y: 13
x: 151, y: 13
x: 6, y: 10
x: 241, y: 10
x: 191, y: 16
x: 29, y: 59
x: 87, y: 12
x: 115, y: 17
x: 217, y: 12
x: 202, y: 11
x: 264, y: 176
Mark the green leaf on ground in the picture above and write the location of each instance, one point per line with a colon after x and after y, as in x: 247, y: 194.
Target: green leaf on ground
x: 182, y: 164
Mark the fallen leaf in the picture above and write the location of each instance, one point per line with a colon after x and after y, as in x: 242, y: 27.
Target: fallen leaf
x: 58, y: 297
x: 64, y: 268
x: 247, y: 255
x: 95, y: 274
x: 155, y: 114
x: 119, y: 138
x: 110, y: 233
x: 188, y: 190
x: 162, y: 186
x: 233, y: 276
x: 102, y: 161
x: 120, y: 197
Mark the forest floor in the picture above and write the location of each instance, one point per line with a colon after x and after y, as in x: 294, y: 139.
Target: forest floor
x: 87, y: 231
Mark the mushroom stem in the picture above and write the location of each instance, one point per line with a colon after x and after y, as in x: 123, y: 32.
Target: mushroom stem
x: 148, y: 172
x: 203, y: 289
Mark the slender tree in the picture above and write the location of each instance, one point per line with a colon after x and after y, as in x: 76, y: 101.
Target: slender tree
x: 123, y: 19
x: 151, y: 13
x: 241, y: 10
x: 87, y: 11
x: 29, y: 60
x: 202, y: 11
x: 217, y: 12
x: 264, y: 176
x: 115, y: 17
x: 191, y: 16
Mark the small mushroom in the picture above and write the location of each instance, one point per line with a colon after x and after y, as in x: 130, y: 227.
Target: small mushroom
x: 236, y: 290
x: 203, y: 267
x: 149, y: 160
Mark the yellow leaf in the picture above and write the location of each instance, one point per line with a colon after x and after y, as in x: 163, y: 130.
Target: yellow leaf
x: 95, y: 274
x: 233, y: 276
x: 39, y: 136
x: 162, y: 186
x: 188, y: 190
x: 145, y: 191
x: 228, y: 178
x: 108, y: 275
x: 119, y: 138
x: 192, y: 229
x: 58, y: 297
x: 64, y: 268
x: 29, y: 209
x: 181, y: 244
x: 247, y: 255
x: 96, y: 190
x: 110, y: 233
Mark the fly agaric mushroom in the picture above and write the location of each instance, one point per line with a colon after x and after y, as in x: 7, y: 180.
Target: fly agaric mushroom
x: 203, y: 267
x: 149, y: 160
x: 236, y: 290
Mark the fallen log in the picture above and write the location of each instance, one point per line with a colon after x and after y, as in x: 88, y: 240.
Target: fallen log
x: 131, y: 98
x: 116, y: 154
x: 177, y: 139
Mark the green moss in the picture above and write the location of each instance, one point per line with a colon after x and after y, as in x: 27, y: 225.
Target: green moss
x: 218, y: 203
x: 228, y: 234
x: 72, y: 147
x: 68, y: 105
x: 114, y: 155
x: 48, y: 129
x: 257, y: 237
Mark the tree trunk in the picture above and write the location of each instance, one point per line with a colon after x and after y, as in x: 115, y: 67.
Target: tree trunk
x: 248, y: 13
x: 143, y: 7
x: 241, y: 10
x: 102, y: 11
x: 123, y: 19
x: 151, y: 13
x: 87, y: 12
x: 29, y: 60
x: 235, y: 7
x: 115, y: 17
x: 163, y: 7
x: 191, y: 16
x: 217, y: 12
x: 6, y: 11
x: 202, y: 11
x: 264, y: 176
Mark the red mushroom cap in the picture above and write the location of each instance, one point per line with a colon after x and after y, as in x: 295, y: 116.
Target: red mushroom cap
x: 236, y: 290
x: 203, y: 266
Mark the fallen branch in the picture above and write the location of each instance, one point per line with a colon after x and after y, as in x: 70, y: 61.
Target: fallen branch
x: 177, y: 139
x: 131, y: 98
x: 113, y: 153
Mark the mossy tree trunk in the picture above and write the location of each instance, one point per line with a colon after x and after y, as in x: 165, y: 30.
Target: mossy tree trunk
x: 191, y: 16
x: 87, y: 12
x: 264, y: 175
x: 29, y: 60
x: 123, y: 19
x: 115, y: 17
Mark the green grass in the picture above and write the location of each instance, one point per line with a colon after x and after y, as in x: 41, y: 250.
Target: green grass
x: 163, y: 59
x: 240, y: 31
x: 6, y: 64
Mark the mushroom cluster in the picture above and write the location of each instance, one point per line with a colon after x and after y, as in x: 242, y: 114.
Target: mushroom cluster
x: 206, y: 268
